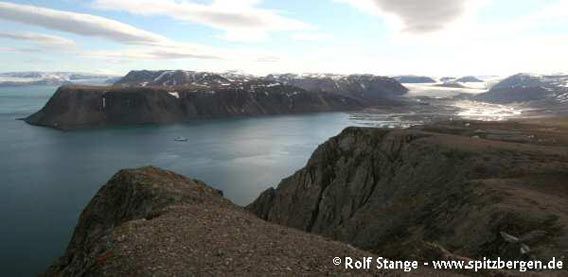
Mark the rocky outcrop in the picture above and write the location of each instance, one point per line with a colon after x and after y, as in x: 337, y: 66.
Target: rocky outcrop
x: 464, y: 187
x: 151, y: 222
x: 74, y: 107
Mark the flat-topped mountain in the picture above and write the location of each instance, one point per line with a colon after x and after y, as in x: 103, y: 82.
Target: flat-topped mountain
x: 174, y: 96
x: 528, y: 87
x: 367, y: 87
x: 410, y: 79
x: 74, y: 107
x: 171, y: 78
x: 468, y: 189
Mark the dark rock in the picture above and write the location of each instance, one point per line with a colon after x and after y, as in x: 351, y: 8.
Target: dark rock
x: 74, y: 107
x: 151, y: 222
x: 392, y: 191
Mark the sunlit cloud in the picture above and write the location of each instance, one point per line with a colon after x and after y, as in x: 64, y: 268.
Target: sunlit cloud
x: 48, y: 41
x: 77, y: 23
x: 414, y: 16
x: 240, y: 20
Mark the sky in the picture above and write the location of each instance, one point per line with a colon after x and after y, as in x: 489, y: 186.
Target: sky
x: 384, y: 37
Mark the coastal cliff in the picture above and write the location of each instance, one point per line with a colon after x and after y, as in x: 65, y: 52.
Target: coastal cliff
x: 74, y: 107
x: 468, y: 189
x: 168, y: 96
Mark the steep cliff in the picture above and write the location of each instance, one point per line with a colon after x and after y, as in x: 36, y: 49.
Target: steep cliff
x: 151, y: 222
x: 81, y: 106
x: 475, y: 189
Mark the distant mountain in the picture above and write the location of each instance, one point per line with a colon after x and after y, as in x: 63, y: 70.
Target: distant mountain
x: 31, y: 78
x: 447, y: 79
x: 468, y: 79
x: 368, y: 87
x: 171, y: 78
x: 528, y: 87
x: 414, y: 79
x: 450, y: 85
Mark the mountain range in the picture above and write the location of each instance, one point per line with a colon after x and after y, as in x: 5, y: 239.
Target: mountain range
x: 31, y: 78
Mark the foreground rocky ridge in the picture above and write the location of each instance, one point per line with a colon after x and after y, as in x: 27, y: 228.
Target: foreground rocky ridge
x: 151, y: 222
x: 466, y: 189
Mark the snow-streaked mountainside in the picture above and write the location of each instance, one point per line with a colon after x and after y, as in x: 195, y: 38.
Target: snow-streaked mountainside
x: 524, y: 87
x: 53, y: 78
x: 369, y: 87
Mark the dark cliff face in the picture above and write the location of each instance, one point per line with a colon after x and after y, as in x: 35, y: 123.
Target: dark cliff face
x: 461, y: 187
x: 151, y: 222
x: 78, y: 106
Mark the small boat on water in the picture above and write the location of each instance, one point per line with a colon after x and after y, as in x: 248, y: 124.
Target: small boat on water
x: 182, y: 139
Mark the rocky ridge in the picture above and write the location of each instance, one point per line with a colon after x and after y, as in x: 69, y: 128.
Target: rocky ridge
x: 464, y: 188
x: 151, y: 222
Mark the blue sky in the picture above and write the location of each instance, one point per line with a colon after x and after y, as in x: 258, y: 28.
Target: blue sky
x: 388, y: 37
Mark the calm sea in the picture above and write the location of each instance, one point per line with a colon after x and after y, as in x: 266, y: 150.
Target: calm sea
x: 48, y: 176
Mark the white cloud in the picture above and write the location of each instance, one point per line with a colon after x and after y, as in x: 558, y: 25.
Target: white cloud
x: 157, y: 53
x: 311, y: 36
x: 48, y: 41
x: 241, y: 20
x: 415, y: 16
x: 148, y: 45
x: 77, y: 23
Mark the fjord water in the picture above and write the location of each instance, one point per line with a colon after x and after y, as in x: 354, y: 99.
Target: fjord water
x: 48, y: 176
